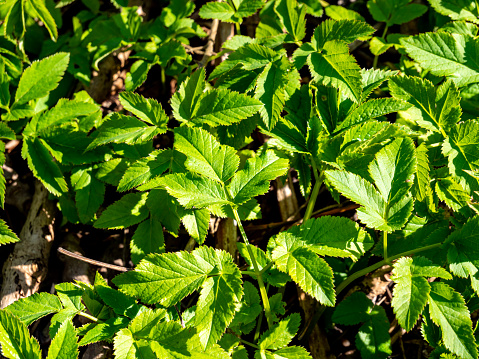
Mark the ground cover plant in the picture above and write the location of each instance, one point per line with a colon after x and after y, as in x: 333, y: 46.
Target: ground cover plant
x: 239, y: 179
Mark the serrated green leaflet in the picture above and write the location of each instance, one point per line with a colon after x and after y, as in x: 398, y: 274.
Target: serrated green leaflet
x: 42, y: 165
x: 372, y: 78
x: 464, y: 250
x: 148, y: 238
x: 439, y: 108
x: 389, y: 206
x: 185, y: 100
x: 204, y: 155
x: 457, y: 9
x: 372, y: 109
x: 217, y: 10
x: 353, y: 310
x: 89, y: 193
x: 254, y: 179
x: 445, y: 54
x: 104, y: 330
x: 34, y: 307
x: 452, y: 193
x: 292, y: 18
x: 281, y: 334
x: 193, y: 191
x: 41, y: 77
x: 124, y: 129
x: 15, y: 338
x: 334, y: 66
x: 422, y: 187
x: 148, y: 110
x: 309, y: 271
x: 412, y: 289
x: 145, y: 169
x: 249, y: 56
x: 64, y: 345
x: 292, y: 352
x: 461, y: 148
x: 196, y: 223
x: 270, y: 90
x: 373, y: 340
x: 219, y: 297
x: 165, y: 208
x: 448, y: 310
x: 342, y: 30
x: 6, y: 234
x: 45, y: 16
x: 129, y: 210
x: 165, y: 278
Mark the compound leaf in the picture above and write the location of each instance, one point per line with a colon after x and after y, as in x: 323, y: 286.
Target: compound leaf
x: 148, y: 110
x: 254, y: 179
x: 342, y: 30
x: 34, y: 307
x: 185, y: 100
x: 281, y: 334
x: 15, y: 338
x: 205, y: 155
x: 148, y: 238
x: 64, y: 345
x: 129, y: 210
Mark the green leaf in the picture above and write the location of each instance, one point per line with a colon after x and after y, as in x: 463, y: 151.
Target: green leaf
x: 270, y: 90
x: 6, y: 234
x: 124, y: 129
x: 220, y: 296
x: 148, y: 110
x: 64, y: 345
x: 89, y: 193
x: 372, y: 109
x: 217, y: 10
x: 165, y: 209
x: 15, y: 338
x: 392, y: 169
x: 148, y: 238
x: 249, y: 57
x: 395, y: 13
x: 452, y: 193
x: 224, y: 107
x: 34, y: 307
x: 336, y: 12
x: 254, y: 179
x: 104, y: 330
x: 46, y: 18
x: 335, y: 67
x: 462, y: 151
x: 463, y: 253
x: 292, y: 352
x: 448, y: 310
x: 456, y: 9
x: 63, y: 113
x: 137, y: 74
x: 372, y: 79
x: 41, y: 77
x: 411, y: 292
x: 309, y: 271
x: 281, y: 334
x: 205, y: 155
x: 353, y: 310
x: 422, y: 187
x: 129, y: 210
x: 249, y: 308
x: 291, y: 15
x: 342, y: 30
x: 145, y: 169
x: 373, y: 340
x: 192, y: 191
x: 42, y: 165
x: 185, y: 101
x: 165, y: 278
x: 439, y: 108
x: 196, y: 223
x: 445, y: 54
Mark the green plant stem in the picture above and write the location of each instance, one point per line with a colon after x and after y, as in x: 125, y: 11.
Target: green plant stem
x: 314, y: 193
x: 262, y: 288
x: 248, y: 343
x: 375, y: 62
x: 238, y: 28
x: 385, y: 246
x: 306, y: 332
x: 248, y: 272
x: 86, y: 315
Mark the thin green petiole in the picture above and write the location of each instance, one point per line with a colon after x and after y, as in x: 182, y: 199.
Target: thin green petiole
x: 262, y: 288
x: 385, y: 246
x: 86, y: 315
x: 314, y: 193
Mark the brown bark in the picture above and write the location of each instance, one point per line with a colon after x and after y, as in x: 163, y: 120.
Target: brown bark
x: 27, y: 266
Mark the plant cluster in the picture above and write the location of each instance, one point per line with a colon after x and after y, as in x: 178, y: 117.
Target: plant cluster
x: 399, y: 139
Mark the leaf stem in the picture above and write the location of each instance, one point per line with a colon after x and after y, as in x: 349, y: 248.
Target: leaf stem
x: 307, y: 331
x: 385, y: 246
x: 248, y: 343
x: 86, y: 315
x: 314, y: 193
x: 375, y: 62
x: 262, y: 288
x: 238, y: 28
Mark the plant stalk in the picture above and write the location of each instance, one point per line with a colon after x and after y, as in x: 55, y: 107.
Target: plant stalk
x: 86, y: 315
x: 307, y: 331
x: 376, y: 57
x: 314, y: 193
x: 262, y: 288
x: 385, y: 246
